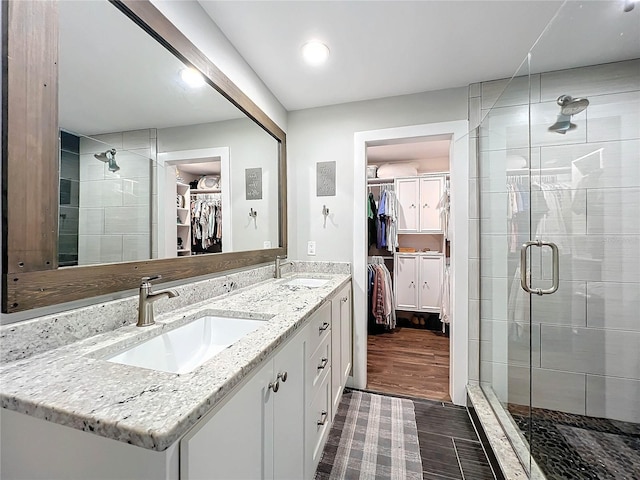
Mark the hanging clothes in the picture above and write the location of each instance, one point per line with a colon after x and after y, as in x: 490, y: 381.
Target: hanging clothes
x: 445, y: 298
x: 444, y: 205
x: 206, y: 223
x: 381, y: 300
x: 372, y: 216
x: 391, y: 219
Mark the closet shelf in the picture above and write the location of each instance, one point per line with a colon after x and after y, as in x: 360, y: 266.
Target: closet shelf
x: 206, y: 190
x: 376, y: 181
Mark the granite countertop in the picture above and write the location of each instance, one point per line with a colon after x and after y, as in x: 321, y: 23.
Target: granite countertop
x: 74, y: 386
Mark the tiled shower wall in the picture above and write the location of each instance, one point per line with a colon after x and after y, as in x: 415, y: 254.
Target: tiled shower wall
x: 115, y: 207
x: 585, y: 338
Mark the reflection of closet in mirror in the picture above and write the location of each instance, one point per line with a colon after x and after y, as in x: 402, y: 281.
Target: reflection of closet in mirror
x: 198, y: 220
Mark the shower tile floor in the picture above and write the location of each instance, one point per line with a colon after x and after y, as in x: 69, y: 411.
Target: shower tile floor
x: 576, y: 447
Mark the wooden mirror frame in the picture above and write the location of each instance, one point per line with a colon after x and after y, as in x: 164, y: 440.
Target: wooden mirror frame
x: 30, y: 167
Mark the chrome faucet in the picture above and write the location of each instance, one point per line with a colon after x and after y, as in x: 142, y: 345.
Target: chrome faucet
x: 147, y: 297
x: 280, y: 264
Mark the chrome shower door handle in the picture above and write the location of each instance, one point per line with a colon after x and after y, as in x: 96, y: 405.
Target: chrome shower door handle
x: 556, y: 268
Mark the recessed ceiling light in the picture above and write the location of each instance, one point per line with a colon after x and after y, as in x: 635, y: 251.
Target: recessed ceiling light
x: 192, y: 77
x: 315, y: 52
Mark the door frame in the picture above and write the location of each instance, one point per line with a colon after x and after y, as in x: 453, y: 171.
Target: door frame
x: 457, y: 131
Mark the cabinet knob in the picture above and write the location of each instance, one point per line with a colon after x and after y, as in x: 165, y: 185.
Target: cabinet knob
x: 426, y: 284
x: 413, y: 205
x: 412, y: 284
x: 323, y: 363
x: 282, y: 376
x: 323, y: 418
x: 275, y: 386
x: 426, y: 205
x: 344, y: 299
x: 324, y: 326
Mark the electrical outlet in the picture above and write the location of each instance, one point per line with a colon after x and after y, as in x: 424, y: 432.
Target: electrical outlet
x: 311, y: 247
x: 267, y: 244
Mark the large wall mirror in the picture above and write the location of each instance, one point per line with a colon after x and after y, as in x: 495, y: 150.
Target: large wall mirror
x: 123, y: 160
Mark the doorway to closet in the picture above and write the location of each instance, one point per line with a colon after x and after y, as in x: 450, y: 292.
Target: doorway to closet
x: 456, y: 131
x: 408, y: 251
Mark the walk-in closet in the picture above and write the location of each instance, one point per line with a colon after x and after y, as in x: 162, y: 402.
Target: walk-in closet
x: 408, y: 303
x: 198, y: 215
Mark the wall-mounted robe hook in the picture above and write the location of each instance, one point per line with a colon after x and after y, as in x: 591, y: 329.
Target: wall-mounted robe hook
x: 325, y: 212
x: 254, y: 214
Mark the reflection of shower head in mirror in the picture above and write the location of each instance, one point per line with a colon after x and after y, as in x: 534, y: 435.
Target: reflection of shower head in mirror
x: 109, y: 156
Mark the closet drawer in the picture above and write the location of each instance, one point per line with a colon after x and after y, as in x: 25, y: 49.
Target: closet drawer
x: 320, y: 326
x: 319, y: 420
x: 319, y: 363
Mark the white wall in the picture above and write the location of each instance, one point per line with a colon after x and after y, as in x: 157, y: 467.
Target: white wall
x: 198, y: 27
x: 329, y: 134
x: 326, y: 134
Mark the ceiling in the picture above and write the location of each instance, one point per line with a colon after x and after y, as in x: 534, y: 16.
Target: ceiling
x: 126, y: 83
x: 388, y: 48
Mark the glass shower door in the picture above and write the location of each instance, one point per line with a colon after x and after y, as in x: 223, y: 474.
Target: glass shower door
x: 585, y: 198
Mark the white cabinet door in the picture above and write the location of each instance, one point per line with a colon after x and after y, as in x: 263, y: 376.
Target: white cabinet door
x: 408, y: 195
x: 258, y: 433
x: 430, y: 194
x: 235, y: 441
x: 341, y: 338
x: 288, y: 411
x: 336, y: 354
x: 431, y: 268
x: 346, y: 334
x: 406, y: 279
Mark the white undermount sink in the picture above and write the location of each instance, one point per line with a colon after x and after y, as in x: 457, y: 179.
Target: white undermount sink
x: 185, y: 348
x: 306, y: 282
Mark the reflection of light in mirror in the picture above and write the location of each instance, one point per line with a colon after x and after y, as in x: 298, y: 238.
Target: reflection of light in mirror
x: 192, y: 77
x: 315, y: 52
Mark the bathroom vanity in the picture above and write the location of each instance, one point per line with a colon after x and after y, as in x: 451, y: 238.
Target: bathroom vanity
x: 260, y: 408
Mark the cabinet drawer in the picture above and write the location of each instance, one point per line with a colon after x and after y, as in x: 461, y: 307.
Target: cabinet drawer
x: 320, y: 326
x: 317, y: 365
x: 319, y: 420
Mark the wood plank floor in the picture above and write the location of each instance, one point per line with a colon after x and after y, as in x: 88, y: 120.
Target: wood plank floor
x: 409, y: 361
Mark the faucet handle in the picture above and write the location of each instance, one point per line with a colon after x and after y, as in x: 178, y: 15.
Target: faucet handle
x: 149, y: 279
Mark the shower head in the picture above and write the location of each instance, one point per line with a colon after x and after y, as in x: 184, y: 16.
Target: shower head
x: 109, y: 156
x: 572, y: 106
x: 569, y: 107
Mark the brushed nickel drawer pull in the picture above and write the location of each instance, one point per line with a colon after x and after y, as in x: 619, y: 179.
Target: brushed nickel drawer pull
x: 282, y: 376
x: 323, y: 363
x: 323, y: 418
x: 344, y: 299
x: 324, y: 326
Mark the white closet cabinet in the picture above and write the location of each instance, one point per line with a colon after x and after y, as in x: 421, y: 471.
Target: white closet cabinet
x: 258, y: 433
x: 418, y: 280
x: 418, y: 204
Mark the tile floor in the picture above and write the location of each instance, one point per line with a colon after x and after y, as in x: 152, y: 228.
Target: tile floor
x: 449, y: 446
